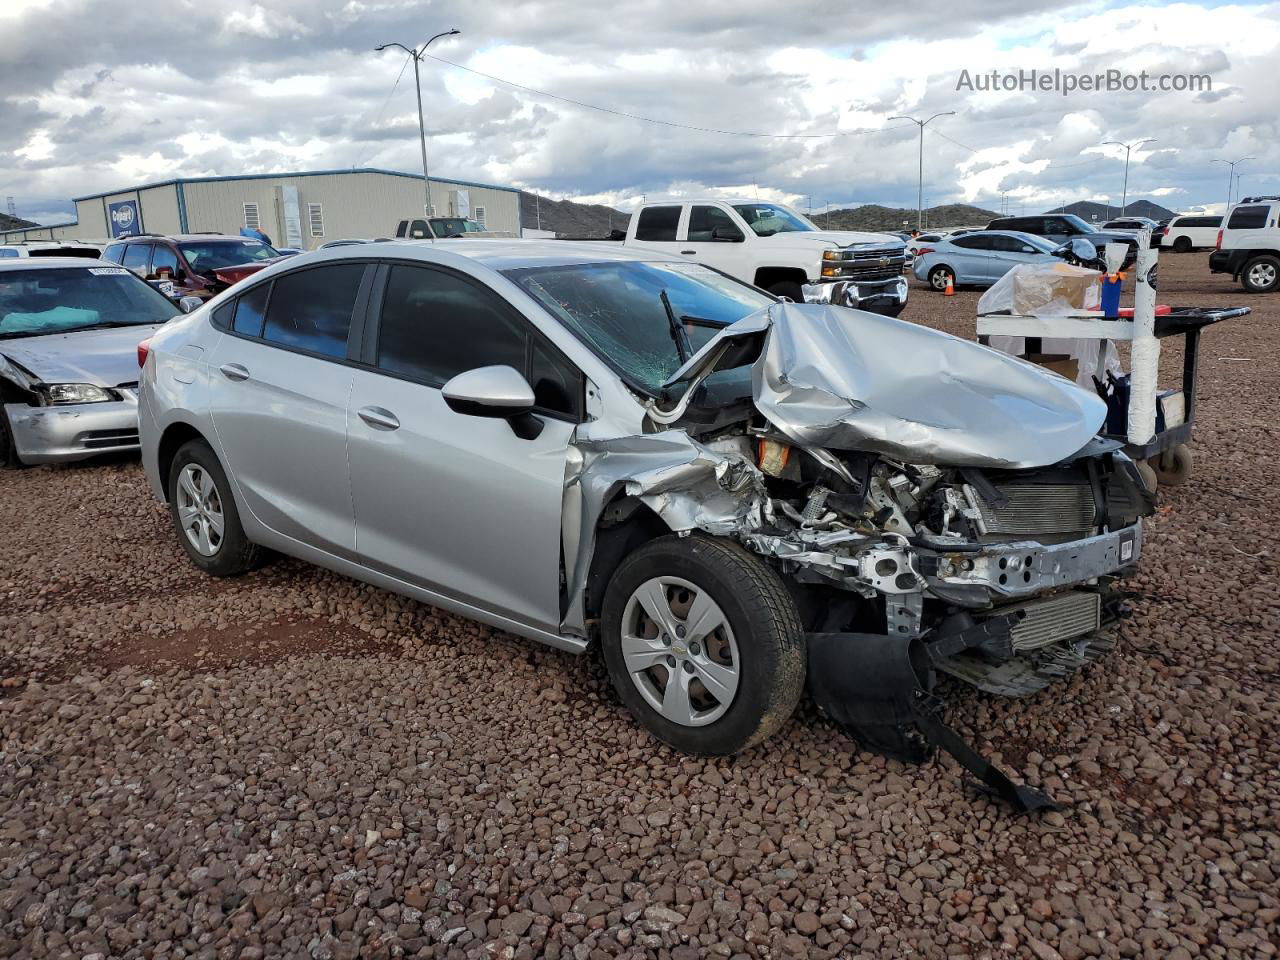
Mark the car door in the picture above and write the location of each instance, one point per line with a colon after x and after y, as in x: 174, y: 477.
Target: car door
x: 710, y: 235
x: 455, y: 503
x: 657, y: 228
x: 1007, y: 253
x: 972, y: 260
x: 278, y: 399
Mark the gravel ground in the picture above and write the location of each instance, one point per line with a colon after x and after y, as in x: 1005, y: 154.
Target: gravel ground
x: 295, y: 764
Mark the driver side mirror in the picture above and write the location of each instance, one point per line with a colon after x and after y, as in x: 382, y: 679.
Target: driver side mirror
x: 726, y: 235
x: 498, y: 391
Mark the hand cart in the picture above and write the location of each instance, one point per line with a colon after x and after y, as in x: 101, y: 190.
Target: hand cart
x: 1163, y: 454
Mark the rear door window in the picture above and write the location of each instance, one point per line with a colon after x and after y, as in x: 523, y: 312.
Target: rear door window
x: 658, y: 224
x: 971, y: 242
x: 250, y: 309
x: 1248, y: 218
x: 311, y: 309
x: 164, y: 257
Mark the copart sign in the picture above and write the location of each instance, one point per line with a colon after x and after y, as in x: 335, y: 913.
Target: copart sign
x: 123, y: 219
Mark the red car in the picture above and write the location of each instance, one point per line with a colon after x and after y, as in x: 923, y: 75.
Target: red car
x: 191, y: 264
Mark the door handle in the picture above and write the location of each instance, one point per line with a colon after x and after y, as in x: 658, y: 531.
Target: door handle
x: 379, y: 418
x: 234, y: 371
x: 688, y: 253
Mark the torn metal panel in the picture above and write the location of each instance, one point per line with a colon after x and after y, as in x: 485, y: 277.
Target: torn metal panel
x: 851, y: 380
x: 690, y: 485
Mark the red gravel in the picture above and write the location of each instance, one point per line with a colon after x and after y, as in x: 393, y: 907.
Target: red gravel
x: 295, y: 764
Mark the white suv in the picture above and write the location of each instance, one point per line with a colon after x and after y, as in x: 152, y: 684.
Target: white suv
x: 1186, y: 233
x: 1249, y: 245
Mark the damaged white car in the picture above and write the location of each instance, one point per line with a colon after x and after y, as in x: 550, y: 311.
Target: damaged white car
x: 733, y: 496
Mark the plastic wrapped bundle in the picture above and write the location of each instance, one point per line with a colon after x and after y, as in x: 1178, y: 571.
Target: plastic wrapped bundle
x: 1042, y: 290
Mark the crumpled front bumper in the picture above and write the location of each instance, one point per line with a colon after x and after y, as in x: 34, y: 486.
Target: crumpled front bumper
x: 73, y: 432
x: 887, y: 297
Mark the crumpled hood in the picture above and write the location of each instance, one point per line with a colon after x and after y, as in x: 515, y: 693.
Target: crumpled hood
x: 105, y: 358
x: 846, y: 379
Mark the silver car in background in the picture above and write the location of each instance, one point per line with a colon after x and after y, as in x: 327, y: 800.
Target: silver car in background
x: 729, y: 494
x: 69, y: 332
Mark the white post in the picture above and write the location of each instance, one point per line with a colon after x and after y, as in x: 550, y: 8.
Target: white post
x: 1145, y: 356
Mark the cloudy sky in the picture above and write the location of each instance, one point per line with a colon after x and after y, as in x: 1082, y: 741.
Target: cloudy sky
x: 100, y: 94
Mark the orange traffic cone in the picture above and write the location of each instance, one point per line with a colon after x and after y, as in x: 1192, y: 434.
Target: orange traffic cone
x: 951, y: 289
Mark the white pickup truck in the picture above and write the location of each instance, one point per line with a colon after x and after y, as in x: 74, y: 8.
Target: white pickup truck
x: 778, y: 249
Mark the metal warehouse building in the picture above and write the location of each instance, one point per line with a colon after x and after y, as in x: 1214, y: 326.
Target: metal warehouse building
x: 294, y: 209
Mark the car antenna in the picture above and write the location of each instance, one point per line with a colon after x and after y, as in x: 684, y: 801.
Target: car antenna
x: 678, y: 332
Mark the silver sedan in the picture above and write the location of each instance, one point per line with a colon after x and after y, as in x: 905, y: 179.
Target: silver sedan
x: 69, y: 332
x: 583, y: 444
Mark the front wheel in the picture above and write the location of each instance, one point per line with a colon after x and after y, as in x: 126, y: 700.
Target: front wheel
x: 1261, y: 274
x: 789, y: 289
x: 703, y: 644
x: 204, y: 513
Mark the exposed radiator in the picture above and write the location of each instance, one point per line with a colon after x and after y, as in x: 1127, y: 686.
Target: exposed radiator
x: 1041, y: 509
x: 1056, y: 618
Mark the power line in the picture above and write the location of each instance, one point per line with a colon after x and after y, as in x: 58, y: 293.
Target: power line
x: 665, y: 123
x: 381, y: 110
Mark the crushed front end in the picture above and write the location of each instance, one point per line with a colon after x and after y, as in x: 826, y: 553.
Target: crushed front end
x: 936, y: 507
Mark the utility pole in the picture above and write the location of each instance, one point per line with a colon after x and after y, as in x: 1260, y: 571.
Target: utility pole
x: 920, y: 168
x: 1231, y: 165
x: 1124, y: 194
x: 417, y: 53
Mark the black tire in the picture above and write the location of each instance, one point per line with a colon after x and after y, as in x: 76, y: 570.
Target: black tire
x: 1182, y: 245
x: 1257, y: 278
x: 235, y: 554
x: 766, y: 628
x: 789, y: 289
x: 8, y: 452
x: 938, y: 277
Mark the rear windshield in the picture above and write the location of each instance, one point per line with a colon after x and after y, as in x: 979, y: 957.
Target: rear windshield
x: 617, y: 310
x: 35, y: 302
x: 206, y: 255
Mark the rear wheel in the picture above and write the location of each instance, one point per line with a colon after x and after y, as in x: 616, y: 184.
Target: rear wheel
x: 1148, y: 474
x: 1182, y: 245
x: 204, y: 513
x: 703, y: 644
x: 789, y: 289
x: 940, y: 276
x: 1261, y: 274
x: 1173, y: 467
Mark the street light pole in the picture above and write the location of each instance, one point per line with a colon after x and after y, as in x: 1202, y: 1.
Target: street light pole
x: 1124, y: 194
x: 1231, y: 164
x: 920, y: 168
x: 417, y: 53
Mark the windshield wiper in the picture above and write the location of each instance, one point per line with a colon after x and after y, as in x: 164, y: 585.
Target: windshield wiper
x: 678, y: 333
x: 702, y: 322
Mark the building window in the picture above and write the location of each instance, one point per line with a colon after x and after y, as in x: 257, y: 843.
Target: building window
x: 315, y: 215
x: 479, y: 217
x: 251, y: 216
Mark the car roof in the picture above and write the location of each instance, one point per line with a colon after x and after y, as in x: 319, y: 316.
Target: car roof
x: 54, y: 263
x: 183, y: 237
x: 503, y: 253
x: 732, y: 201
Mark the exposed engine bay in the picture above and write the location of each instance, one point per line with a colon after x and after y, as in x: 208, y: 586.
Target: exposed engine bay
x: 911, y: 546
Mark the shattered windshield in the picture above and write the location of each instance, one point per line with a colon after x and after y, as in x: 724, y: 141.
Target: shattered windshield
x: 618, y: 310
x: 37, y: 302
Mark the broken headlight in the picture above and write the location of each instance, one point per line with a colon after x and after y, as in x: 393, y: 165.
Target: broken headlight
x: 57, y: 394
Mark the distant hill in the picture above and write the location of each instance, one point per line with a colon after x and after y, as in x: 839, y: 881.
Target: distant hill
x: 14, y: 223
x: 570, y: 219
x: 875, y: 217
x: 1090, y: 211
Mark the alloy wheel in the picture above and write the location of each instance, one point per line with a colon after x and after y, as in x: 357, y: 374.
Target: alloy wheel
x: 1262, y: 274
x: 200, y: 509
x: 680, y: 651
